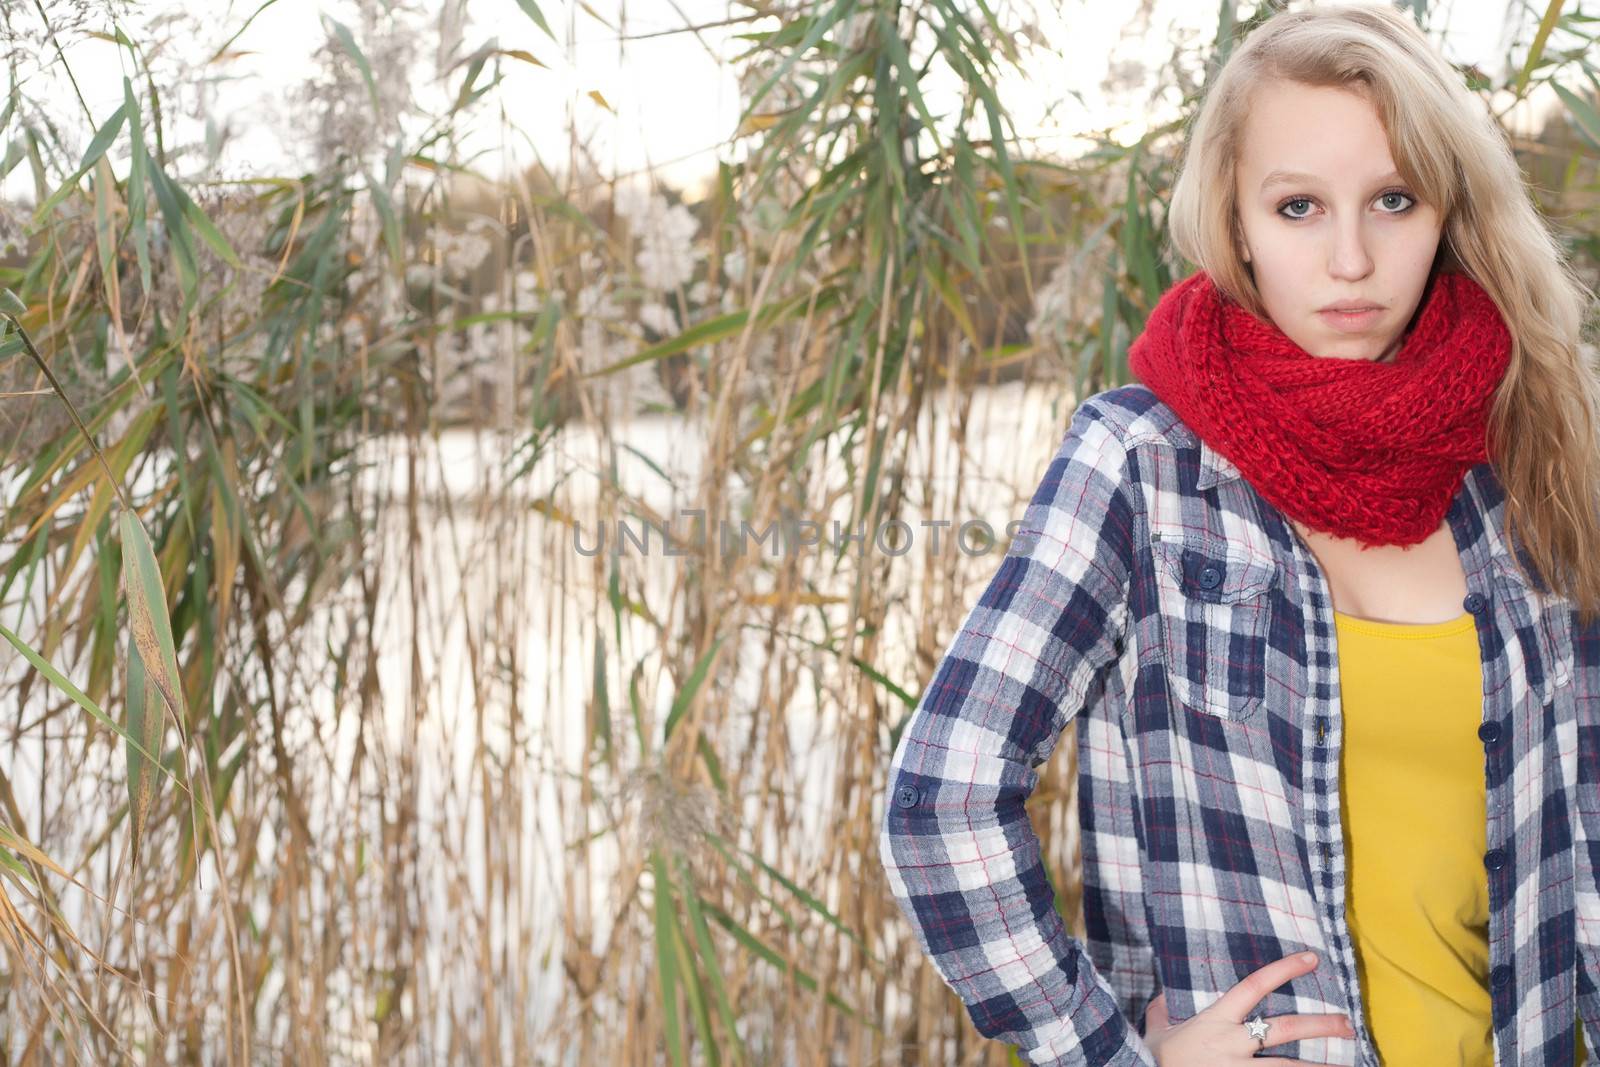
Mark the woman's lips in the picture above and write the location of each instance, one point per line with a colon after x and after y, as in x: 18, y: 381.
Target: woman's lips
x: 1350, y: 321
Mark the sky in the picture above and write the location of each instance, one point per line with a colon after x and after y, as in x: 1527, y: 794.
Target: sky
x: 672, y: 96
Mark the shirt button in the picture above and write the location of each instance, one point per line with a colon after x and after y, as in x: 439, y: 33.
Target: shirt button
x: 1494, y: 859
x: 1474, y: 602
x: 1489, y: 733
x: 1500, y: 977
x: 1210, y: 576
x: 1322, y: 728
x: 907, y: 796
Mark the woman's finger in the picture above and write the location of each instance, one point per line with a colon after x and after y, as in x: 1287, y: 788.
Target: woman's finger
x: 1155, y: 1017
x: 1284, y: 1028
x: 1237, y: 1003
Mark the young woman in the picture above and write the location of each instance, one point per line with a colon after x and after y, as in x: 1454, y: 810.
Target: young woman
x: 1319, y: 597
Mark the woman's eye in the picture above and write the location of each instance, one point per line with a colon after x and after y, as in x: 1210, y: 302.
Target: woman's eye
x: 1288, y: 211
x: 1289, y: 203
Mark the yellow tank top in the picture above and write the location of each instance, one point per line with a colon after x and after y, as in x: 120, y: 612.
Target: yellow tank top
x: 1417, y: 892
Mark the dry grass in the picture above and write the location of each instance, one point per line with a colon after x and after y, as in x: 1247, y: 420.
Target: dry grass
x: 435, y: 785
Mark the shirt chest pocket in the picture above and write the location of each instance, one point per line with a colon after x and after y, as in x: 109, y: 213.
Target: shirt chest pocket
x: 1215, y: 613
x: 1544, y: 622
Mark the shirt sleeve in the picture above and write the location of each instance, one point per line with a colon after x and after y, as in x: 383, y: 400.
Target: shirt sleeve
x: 962, y: 859
x: 1586, y: 831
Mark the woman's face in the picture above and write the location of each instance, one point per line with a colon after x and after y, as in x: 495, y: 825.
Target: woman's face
x: 1327, y: 220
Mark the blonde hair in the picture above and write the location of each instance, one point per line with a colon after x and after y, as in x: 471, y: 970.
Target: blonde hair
x: 1542, y: 424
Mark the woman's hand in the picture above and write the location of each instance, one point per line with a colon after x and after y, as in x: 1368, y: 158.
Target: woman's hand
x: 1217, y: 1034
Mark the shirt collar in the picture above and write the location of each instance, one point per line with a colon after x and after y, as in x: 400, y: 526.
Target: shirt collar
x: 1480, y: 487
x: 1215, y: 468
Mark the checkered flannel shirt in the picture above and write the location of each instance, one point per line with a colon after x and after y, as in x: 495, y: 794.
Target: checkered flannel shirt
x: 1155, y: 601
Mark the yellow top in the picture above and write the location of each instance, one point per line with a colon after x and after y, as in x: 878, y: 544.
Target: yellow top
x: 1412, y: 799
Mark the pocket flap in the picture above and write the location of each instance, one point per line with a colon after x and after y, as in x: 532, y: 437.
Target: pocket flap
x: 1215, y: 617
x: 1212, y: 575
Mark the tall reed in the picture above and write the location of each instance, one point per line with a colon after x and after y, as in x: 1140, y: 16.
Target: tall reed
x: 333, y: 740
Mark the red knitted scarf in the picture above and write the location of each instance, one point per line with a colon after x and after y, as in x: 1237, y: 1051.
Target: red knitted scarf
x: 1364, y: 450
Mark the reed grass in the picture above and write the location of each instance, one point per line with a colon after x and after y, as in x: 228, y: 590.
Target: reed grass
x: 327, y: 744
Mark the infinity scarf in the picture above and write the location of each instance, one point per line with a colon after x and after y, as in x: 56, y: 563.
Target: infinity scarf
x: 1359, y: 449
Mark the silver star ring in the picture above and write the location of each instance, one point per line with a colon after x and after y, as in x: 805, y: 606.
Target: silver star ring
x: 1258, y: 1030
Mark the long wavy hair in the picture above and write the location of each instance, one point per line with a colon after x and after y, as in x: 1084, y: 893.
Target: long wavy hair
x: 1542, y: 442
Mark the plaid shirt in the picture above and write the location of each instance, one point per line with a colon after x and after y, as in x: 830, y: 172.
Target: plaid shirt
x: 1155, y: 601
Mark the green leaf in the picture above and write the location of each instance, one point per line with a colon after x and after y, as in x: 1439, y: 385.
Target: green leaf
x: 137, y: 166
x: 147, y: 614
x: 725, y: 326
x: 203, y: 225
x: 1583, y: 114
x: 348, y: 42
x: 810, y: 900
x: 537, y: 16
x: 802, y: 978
x: 713, y: 764
x: 76, y: 695
x: 666, y: 958
x: 692, y: 988
x: 601, y: 736
x: 145, y: 722
x: 680, y: 703
x: 1552, y: 13
x: 465, y: 95
x: 910, y: 84
x: 388, y: 220
x: 882, y: 679
x: 103, y: 189
x: 819, y: 26
x: 183, y: 255
x: 708, y: 955
x: 97, y: 148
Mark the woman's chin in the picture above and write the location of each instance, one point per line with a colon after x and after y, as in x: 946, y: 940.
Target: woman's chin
x: 1337, y: 352
x: 1365, y: 348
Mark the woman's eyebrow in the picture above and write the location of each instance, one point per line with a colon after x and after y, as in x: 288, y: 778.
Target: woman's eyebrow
x: 1295, y: 177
